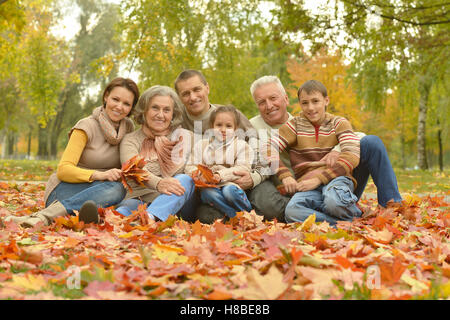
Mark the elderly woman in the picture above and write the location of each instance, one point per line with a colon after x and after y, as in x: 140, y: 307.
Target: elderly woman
x: 88, y: 173
x: 165, y: 147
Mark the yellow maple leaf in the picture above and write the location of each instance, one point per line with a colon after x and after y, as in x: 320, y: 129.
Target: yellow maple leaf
x: 307, y: 223
x: 262, y: 287
x: 29, y: 282
x: 169, y: 255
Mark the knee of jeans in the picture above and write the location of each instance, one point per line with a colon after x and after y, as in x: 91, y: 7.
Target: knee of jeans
x: 115, y: 192
x: 339, y: 200
x: 231, y: 191
x: 372, y: 143
x: 186, y: 181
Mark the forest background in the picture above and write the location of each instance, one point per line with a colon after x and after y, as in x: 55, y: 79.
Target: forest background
x: 384, y: 62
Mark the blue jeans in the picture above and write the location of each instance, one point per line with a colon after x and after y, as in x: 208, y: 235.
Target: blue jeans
x: 73, y: 195
x: 375, y: 161
x: 165, y: 205
x: 228, y: 199
x: 332, y: 202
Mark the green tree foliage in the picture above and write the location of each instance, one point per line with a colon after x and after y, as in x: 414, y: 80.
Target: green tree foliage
x: 392, y: 44
x: 221, y: 38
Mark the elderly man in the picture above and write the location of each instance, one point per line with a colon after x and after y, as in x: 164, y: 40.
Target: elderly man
x: 193, y: 90
x: 272, y: 101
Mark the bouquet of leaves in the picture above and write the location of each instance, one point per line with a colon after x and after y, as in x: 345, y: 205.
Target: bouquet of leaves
x: 203, y: 177
x: 133, y: 169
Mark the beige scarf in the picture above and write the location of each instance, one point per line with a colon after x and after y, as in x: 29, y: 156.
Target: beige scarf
x: 109, y: 128
x: 158, y: 144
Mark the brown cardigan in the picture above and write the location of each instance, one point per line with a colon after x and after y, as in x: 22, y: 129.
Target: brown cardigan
x: 131, y: 146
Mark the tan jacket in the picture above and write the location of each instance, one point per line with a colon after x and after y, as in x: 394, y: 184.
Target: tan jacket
x: 131, y: 146
x: 222, y: 158
x: 189, y: 123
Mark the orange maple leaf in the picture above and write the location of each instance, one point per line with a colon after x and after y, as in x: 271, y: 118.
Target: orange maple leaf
x: 203, y: 177
x: 133, y: 169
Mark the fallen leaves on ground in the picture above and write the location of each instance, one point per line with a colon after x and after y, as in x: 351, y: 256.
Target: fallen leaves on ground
x: 396, y: 253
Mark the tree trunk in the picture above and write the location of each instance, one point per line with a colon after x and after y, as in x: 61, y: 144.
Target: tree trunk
x: 30, y: 135
x: 11, y: 140
x: 441, y: 151
x: 424, y: 90
x: 42, y: 143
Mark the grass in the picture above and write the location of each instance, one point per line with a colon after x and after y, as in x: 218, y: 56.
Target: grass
x: 26, y: 170
x: 419, y: 181
x: 409, y: 181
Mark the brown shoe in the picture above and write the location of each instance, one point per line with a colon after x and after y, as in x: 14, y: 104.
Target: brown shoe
x: 89, y: 212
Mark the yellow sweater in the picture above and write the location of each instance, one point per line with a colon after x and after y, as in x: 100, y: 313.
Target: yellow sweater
x: 67, y: 167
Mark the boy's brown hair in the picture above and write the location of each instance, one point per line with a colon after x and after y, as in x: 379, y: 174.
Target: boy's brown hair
x: 313, y: 85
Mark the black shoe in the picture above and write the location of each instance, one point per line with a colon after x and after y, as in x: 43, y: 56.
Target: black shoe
x: 88, y: 212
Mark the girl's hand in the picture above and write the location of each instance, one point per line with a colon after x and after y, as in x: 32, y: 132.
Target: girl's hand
x: 307, y: 185
x: 290, y: 185
x: 110, y: 175
x: 170, y: 186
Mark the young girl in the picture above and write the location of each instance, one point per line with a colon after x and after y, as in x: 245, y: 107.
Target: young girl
x: 224, y: 153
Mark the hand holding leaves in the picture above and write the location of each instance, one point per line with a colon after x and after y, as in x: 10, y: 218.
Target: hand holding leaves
x: 204, y: 178
x: 133, y: 169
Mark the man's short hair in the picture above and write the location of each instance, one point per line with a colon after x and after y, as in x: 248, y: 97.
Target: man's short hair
x: 265, y: 80
x: 311, y: 86
x: 187, y: 74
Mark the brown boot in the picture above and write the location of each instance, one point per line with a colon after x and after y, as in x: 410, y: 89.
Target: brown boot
x: 47, y: 215
x: 89, y: 212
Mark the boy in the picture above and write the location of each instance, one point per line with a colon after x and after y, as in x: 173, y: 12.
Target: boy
x: 324, y: 191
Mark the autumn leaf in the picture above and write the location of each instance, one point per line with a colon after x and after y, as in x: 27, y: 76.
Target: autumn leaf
x: 262, y: 287
x: 133, y: 170
x: 203, y: 177
x: 29, y: 282
x: 404, y: 250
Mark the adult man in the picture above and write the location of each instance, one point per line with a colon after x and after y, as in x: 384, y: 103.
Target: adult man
x: 272, y: 101
x: 193, y: 90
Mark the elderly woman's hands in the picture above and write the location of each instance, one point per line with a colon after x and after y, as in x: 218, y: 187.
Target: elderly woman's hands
x: 170, y: 186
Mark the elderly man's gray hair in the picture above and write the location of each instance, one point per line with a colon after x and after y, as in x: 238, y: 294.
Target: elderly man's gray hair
x: 265, y: 80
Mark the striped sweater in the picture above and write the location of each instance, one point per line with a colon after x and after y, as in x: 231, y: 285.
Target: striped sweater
x: 307, y: 144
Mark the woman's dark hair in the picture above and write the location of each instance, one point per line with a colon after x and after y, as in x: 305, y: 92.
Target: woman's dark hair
x: 124, y: 83
x: 222, y: 109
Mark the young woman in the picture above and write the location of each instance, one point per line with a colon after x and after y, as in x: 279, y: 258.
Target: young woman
x: 88, y: 173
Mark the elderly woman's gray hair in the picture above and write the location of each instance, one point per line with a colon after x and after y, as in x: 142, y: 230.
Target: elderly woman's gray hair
x: 265, y: 80
x: 163, y: 91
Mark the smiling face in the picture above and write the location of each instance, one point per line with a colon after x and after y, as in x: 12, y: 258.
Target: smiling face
x: 159, y: 113
x: 272, y: 103
x: 224, y: 125
x: 118, y: 103
x: 194, y: 95
x: 313, y: 105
